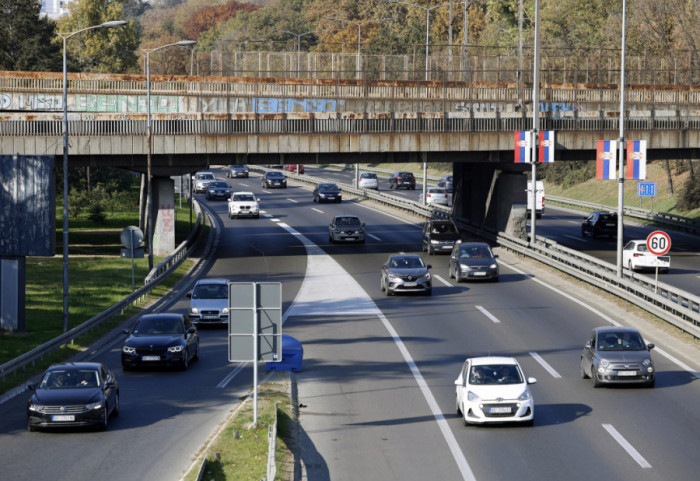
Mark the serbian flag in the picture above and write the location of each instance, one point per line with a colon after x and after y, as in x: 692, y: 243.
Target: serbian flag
x: 523, y: 147
x: 546, y: 146
x: 636, y: 167
x: 606, y: 159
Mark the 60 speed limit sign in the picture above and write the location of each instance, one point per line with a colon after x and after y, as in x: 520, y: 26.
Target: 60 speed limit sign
x: 658, y: 243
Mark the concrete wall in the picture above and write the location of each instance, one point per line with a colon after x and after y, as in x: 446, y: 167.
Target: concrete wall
x: 164, y: 214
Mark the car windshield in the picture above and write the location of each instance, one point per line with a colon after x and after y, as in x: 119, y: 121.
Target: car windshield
x: 275, y: 175
x: 474, y: 252
x: 495, y: 374
x: 70, y: 379
x: 210, y: 291
x: 443, y: 228
x: 218, y: 185
x: 327, y: 187
x: 205, y: 176
x: 406, y: 262
x: 347, y: 221
x: 244, y: 197
x: 620, y: 341
x: 158, y: 325
x: 238, y: 167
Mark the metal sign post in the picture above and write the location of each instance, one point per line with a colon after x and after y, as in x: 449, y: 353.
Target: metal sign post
x: 646, y: 189
x: 132, y: 238
x: 658, y: 243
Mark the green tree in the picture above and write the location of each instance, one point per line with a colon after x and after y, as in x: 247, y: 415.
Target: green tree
x: 104, y: 50
x: 26, y: 37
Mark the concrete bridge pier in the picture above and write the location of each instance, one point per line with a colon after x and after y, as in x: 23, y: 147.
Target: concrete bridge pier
x: 163, y: 210
x: 492, y: 196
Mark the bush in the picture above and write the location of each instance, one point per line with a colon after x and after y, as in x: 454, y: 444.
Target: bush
x: 577, y: 176
x: 689, y: 198
x: 97, y: 213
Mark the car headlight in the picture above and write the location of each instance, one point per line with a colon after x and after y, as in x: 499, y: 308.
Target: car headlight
x: 525, y: 395
x: 646, y: 362
x: 224, y: 310
x: 434, y: 241
x: 177, y: 348
x: 128, y: 350
x: 493, y: 266
x: 427, y: 276
x: 392, y: 277
x: 194, y: 310
x: 471, y: 397
x: 97, y: 405
x: 604, y: 362
x: 36, y: 407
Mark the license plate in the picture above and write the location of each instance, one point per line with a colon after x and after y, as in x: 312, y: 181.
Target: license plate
x: 410, y: 284
x: 210, y: 317
x: 63, y: 417
x: 150, y: 358
x: 626, y: 373
x: 500, y: 410
x: 479, y: 274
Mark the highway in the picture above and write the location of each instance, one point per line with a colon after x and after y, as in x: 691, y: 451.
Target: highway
x: 377, y: 383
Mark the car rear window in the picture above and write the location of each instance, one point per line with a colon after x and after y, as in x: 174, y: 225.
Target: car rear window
x: 368, y: 175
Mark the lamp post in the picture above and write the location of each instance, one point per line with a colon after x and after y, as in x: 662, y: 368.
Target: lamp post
x: 359, y: 34
x: 298, y: 36
x: 427, y: 25
x: 621, y: 174
x: 149, y: 202
x: 65, y: 36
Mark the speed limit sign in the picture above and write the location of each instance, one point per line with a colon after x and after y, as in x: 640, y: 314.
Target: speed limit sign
x: 659, y: 243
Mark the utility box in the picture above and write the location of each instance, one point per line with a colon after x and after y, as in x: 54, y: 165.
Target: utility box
x: 292, y: 356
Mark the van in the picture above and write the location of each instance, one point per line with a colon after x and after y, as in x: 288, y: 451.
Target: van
x: 539, y: 199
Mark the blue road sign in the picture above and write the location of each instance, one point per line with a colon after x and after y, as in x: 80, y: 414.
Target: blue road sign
x: 646, y: 189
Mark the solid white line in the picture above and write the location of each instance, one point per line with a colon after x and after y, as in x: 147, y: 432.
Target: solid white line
x: 545, y: 365
x: 447, y: 283
x: 488, y: 314
x: 292, y: 200
x: 578, y: 239
x: 627, y: 446
x: 375, y: 237
x: 224, y: 382
x: 318, y: 210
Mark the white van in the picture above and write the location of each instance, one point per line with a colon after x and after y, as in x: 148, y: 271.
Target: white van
x: 539, y: 199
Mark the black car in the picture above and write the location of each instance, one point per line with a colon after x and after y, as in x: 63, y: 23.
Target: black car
x: 600, y: 223
x: 218, y: 189
x: 274, y: 178
x: 327, y: 192
x: 237, y: 170
x: 73, y: 394
x: 165, y: 339
x: 406, y: 273
x: 439, y: 236
x: 473, y: 261
x: 401, y: 179
x: 446, y: 183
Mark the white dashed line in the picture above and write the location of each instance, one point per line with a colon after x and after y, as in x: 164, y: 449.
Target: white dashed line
x: 447, y: 283
x: 545, y: 365
x: 488, y: 314
x: 318, y: 210
x: 627, y: 446
x: 292, y: 200
x: 375, y: 237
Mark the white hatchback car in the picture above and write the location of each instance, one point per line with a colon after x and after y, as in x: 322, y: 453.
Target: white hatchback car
x: 436, y: 195
x: 367, y: 180
x: 494, y: 390
x: 243, y: 204
x: 636, y: 256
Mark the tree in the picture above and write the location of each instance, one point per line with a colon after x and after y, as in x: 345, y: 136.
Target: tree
x: 26, y: 38
x: 105, y: 50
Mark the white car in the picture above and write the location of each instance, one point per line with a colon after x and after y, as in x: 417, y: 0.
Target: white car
x: 201, y: 181
x: 243, y: 204
x: 494, y: 390
x: 209, y: 301
x: 436, y: 195
x: 367, y: 180
x: 636, y: 256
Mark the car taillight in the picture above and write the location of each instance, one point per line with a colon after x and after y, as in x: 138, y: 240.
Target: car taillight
x: 637, y: 255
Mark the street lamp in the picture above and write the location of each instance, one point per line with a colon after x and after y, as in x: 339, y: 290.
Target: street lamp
x: 427, y: 25
x: 65, y: 36
x: 149, y: 202
x: 298, y: 36
x: 359, y: 34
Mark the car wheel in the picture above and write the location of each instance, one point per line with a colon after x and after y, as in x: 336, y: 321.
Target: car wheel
x: 105, y: 418
x: 185, y: 360
x: 381, y: 284
x: 338, y: 201
x: 651, y: 383
x: 257, y: 216
x: 529, y: 423
x: 230, y: 215
x: 389, y: 292
x: 115, y: 411
x: 330, y: 239
x: 429, y: 292
x: 459, y: 408
x: 196, y: 352
x: 583, y: 233
x: 431, y: 251
x: 629, y: 266
x: 594, y: 376
x: 31, y: 428
x: 582, y: 371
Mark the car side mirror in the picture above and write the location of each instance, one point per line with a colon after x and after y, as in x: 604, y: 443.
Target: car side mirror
x: 531, y: 380
x: 189, y: 295
x: 588, y: 345
x: 651, y: 346
x: 31, y: 387
x: 495, y: 256
x: 126, y: 331
x: 363, y: 225
x: 385, y: 266
x: 191, y: 330
x: 429, y: 266
x: 458, y: 381
x: 110, y: 384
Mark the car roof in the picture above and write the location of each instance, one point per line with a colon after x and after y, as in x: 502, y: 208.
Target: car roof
x: 205, y: 172
x: 242, y: 166
x: 346, y: 217
x: 474, y: 244
x: 605, y: 329
x: 479, y: 361
x: 240, y: 192
x: 162, y: 315
x: 275, y: 172
x: 403, y: 254
x: 212, y: 280
x: 75, y: 365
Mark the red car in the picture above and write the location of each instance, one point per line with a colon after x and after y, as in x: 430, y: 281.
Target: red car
x: 296, y: 168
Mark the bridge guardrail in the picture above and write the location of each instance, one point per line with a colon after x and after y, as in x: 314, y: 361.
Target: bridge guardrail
x: 155, y: 277
x: 673, y: 305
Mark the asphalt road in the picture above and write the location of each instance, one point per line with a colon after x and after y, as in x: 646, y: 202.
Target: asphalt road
x: 378, y: 376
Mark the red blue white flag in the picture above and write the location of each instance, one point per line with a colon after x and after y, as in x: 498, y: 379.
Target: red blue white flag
x: 606, y: 159
x: 523, y: 147
x: 546, y: 146
x: 636, y: 167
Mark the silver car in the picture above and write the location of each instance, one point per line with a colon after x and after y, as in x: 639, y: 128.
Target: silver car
x: 346, y: 228
x: 406, y: 273
x: 209, y: 302
x: 473, y: 261
x: 617, y: 355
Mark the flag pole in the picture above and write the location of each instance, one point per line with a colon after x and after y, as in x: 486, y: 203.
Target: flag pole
x: 621, y: 174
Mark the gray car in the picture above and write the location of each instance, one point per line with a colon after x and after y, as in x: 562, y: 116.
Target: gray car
x: 209, y: 302
x: 346, y: 228
x: 237, y: 170
x: 473, y: 261
x: 406, y: 273
x: 617, y: 355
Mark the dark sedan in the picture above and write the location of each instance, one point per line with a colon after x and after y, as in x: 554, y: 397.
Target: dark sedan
x: 406, y: 273
x: 218, y: 189
x: 600, y: 223
x: 473, y: 261
x: 327, y: 192
x: 617, y: 355
x: 161, y: 340
x: 274, y: 178
x: 73, y: 394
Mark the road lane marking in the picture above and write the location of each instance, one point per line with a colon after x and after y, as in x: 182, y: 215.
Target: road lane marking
x: 447, y: 283
x: 578, y: 239
x: 627, y: 446
x: 375, y: 237
x: 224, y: 382
x: 545, y: 365
x: 292, y: 200
x: 488, y: 314
x: 318, y: 210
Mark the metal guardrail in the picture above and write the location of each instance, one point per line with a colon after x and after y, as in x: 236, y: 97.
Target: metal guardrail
x: 679, y: 222
x: 155, y: 277
x: 673, y: 305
